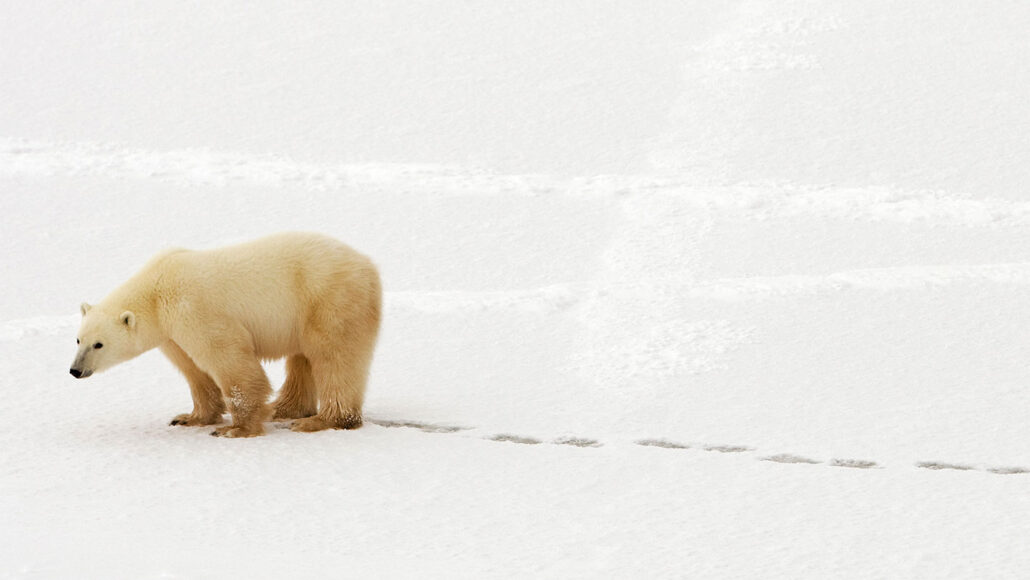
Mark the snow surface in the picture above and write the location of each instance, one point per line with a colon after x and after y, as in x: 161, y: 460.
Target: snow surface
x: 674, y: 289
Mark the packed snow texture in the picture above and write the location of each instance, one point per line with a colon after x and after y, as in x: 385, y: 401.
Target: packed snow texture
x: 673, y: 289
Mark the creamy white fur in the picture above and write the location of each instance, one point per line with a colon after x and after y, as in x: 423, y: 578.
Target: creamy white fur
x: 217, y: 313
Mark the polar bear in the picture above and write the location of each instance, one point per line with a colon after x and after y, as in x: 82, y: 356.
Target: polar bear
x: 216, y: 314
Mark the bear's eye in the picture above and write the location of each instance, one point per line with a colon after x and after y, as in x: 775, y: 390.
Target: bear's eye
x: 98, y: 345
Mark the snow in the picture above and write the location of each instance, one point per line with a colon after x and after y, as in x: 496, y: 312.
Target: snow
x: 716, y: 290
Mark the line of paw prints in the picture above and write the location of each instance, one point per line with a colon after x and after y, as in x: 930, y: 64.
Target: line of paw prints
x: 666, y: 444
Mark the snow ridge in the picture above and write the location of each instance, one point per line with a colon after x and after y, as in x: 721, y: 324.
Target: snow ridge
x: 558, y: 297
x: 204, y: 167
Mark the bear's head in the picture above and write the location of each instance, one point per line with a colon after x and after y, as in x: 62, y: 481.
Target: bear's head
x: 105, y: 339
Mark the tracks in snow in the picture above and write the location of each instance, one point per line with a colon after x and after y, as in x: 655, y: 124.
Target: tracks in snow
x: 742, y: 450
x: 662, y: 219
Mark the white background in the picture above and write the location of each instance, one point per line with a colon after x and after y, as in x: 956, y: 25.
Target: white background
x: 674, y: 289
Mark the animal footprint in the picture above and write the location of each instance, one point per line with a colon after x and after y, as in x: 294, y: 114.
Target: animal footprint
x: 788, y: 458
x: 424, y: 427
x: 936, y: 465
x: 516, y: 439
x: 662, y: 443
x: 577, y: 442
x: 853, y: 463
x: 1008, y: 470
x: 727, y: 448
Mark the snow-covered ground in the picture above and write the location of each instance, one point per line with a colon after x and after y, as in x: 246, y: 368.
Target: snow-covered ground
x: 674, y: 289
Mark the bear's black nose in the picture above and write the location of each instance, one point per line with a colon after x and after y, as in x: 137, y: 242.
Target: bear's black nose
x: 76, y: 373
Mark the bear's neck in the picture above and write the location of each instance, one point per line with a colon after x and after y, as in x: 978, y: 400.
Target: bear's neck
x: 139, y: 295
x: 136, y: 294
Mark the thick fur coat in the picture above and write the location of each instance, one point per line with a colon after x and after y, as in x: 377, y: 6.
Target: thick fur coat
x: 216, y: 314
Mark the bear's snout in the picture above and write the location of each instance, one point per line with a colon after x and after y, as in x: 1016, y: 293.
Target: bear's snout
x: 79, y: 374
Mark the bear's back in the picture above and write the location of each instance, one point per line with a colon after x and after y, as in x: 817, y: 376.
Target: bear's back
x: 275, y: 286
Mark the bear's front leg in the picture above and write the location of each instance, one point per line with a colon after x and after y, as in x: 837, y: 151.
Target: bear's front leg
x: 208, y: 405
x: 246, y: 391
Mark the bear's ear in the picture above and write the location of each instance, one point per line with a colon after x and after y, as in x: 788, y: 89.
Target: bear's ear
x: 84, y: 307
x: 129, y: 319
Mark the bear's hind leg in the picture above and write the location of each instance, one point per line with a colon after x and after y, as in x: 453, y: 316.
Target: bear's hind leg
x: 208, y: 405
x: 339, y: 342
x: 340, y: 380
x: 298, y: 397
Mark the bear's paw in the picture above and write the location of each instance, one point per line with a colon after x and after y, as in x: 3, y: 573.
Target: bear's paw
x: 237, y: 431
x: 316, y: 423
x: 191, y: 420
